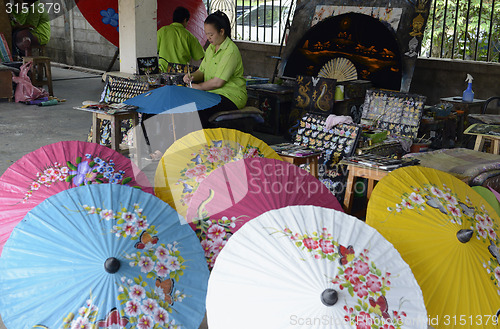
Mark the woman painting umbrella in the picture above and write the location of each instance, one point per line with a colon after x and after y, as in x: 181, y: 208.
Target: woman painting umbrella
x: 221, y: 70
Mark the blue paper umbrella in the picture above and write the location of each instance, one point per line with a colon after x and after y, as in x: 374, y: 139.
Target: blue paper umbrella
x: 174, y: 99
x: 102, y: 256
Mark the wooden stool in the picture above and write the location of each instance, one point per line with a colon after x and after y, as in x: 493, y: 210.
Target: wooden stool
x: 494, y: 140
x: 39, y: 71
x: 312, y: 160
x: 371, y: 174
x: 116, y: 131
x: 40, y: 49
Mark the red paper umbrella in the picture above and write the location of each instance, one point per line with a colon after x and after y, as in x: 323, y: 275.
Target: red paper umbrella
x: 242, y: 190
x: 103, y: 16
x: 57, y: 167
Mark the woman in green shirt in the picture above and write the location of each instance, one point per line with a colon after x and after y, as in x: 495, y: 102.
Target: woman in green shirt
x: 221, y: 70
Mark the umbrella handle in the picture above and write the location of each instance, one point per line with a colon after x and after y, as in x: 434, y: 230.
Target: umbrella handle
x: 464, y: 236
x: 329, y: 297
x: 111, y: 265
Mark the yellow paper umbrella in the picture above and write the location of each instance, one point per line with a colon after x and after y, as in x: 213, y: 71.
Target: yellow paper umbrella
x: 448, y: 234
x: 190, y: 159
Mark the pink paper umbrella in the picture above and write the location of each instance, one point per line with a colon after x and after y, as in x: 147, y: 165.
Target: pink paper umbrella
x: 242, y: 190
x: 57, y: 167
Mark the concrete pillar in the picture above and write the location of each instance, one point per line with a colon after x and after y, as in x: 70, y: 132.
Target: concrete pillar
x: 137, y: 32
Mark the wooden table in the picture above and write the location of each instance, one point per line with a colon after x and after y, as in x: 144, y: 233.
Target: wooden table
x: 494, y: 140
x: 373, y: 175
x: 115, y: 120
x: 485, y: 133
x: 312, y: 160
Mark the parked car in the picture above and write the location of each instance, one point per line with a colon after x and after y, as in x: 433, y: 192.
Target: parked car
x: 264, y: 23
x: 240, y: 10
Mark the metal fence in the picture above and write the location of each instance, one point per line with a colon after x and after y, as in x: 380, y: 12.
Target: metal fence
x: 463, y: 29
x: 255, y: 20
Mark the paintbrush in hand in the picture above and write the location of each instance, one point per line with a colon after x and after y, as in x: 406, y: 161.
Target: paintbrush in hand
x: 189, y: 76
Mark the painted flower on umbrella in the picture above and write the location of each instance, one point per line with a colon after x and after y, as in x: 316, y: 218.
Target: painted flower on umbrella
x: 162, y: 253
x: 161, y: 316
x: 94, y: 170
x: 132, y: 308
x: 444, y: 200
x: 493, y: 269
x: 453, y: 210
x: 364, y: 281
x: 129, y: 223
x: 214, y: 234
x: 416, y: 198
x: 213, y: 158
x: 436, y: 191
x: 110, y: 16
x: 146, y: 264
x: 145, y: 322
x: 49, y: 176
x: 88, y: 170
x: 359, y: 275
x: 190, y: 173
x: 137, y: 292
x: 451, y: 199
x: 171, y: 265
x: 162, y: 269
x: 86, y: 317
x: 209, y: 158
x: 148, y: 306
x: 326, y: 246
x: 252, y: 153
x: 107, y: 214
x: 320, y: 244
x: 83, y: 174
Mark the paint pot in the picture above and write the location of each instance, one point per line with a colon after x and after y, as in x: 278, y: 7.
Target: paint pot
x: 420, y: 145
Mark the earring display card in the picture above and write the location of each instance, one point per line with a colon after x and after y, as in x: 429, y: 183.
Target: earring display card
x: 399, y: 113
x: 336, y: 143
x: 118, y: 90
x: 148, y: 65
x: 339, y: 141
x: 315, y: 95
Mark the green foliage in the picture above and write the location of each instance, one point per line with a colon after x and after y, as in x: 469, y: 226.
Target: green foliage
x: 71, y: 166
x: 463, y: 42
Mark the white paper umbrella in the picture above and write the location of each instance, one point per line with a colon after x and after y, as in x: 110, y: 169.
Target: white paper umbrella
x: 312, y: 267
